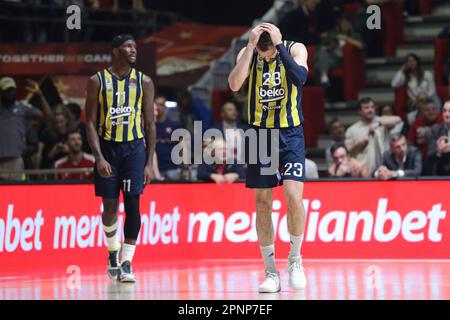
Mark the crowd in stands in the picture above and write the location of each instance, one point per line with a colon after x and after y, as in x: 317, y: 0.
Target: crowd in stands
x: 383, y: 144
x: 40, y: 136
x: 380, y: 145
x: 385, y: 147
x: 40, y: 21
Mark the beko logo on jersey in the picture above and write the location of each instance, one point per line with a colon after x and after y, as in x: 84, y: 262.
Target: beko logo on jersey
x: 269, y: 95
x: 120, y: 112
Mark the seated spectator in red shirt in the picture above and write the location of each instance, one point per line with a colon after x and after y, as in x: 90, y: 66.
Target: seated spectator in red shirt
x: 420, y: 132
x: 76, y: 158
x: 221, y: 170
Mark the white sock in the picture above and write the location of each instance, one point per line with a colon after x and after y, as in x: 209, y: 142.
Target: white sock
x: 296, y: 246
x: 268, y: 254
x: 113, y: 242
x: 128, y: 252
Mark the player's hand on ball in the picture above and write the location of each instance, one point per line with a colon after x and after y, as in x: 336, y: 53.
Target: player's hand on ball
x: 148, y: 174
x: 274, y: 32
x: 104, y: 168
x: 254, y: 36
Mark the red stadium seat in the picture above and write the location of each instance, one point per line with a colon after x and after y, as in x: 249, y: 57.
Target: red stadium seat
x: 441, y: 53
x: 313, y: 108
x: 443, y: 92
x: 219, y: 97
x: 351, y: 74
x: 311, y: 51
x: 400, y: 104
x: 351, y: 8
x: 393, y: 26
x: 425, y: 7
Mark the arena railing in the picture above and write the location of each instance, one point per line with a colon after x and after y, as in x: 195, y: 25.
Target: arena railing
x: 42, y: 174
x: 49, y: 176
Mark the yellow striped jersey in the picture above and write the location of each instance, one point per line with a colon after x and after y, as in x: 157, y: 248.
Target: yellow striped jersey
x: 273, y: 100
x: 120, y: 106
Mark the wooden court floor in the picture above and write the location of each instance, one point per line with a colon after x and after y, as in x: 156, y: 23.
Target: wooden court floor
x: 238, y: 280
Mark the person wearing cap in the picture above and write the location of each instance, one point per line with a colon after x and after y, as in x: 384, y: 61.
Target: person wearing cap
x: 14, y: 116
x: 121, y: 133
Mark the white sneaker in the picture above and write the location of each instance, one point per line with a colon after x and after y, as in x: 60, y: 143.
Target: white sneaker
x: 270, y: 284
x: 297, y: 277
x: 126, y: 272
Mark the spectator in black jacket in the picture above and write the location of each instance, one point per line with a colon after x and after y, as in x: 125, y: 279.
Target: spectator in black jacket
x: 439, y: 147
x: 222, y: 169
x: 400, y: 161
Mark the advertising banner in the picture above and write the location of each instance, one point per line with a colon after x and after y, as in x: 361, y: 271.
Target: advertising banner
x: 67, y: 58
x: 60, y: 225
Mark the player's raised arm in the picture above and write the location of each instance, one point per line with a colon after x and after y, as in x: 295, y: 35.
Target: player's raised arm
x: 91, y: 107
x: 240, y: 71
x: 149, y: 121
x: 294, y: 62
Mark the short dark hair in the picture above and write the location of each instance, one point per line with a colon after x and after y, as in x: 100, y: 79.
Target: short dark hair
x: 336, y: 146
x: 159, y: 95
x: 396, y: 136
x: 73, y: 131
x: 333, y: 121
x: 264, y: 42
x: 364, y: 101
x: 380, y: 109
x: 429, y: 100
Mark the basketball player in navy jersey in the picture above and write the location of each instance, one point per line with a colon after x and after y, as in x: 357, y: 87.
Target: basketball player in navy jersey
x: 276, y: 71
x: 119, y: 111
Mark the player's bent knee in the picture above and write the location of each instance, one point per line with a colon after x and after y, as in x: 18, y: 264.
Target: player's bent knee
x: 110, y: 207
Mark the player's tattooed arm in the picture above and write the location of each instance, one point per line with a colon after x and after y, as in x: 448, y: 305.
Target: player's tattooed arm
x: 91, y: 107
x: 150, y: 131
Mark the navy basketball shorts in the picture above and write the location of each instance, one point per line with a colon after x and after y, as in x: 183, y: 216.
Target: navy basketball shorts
x: 290, y: 153
x: 127, y: 160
